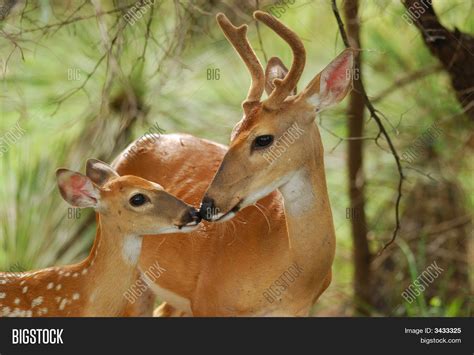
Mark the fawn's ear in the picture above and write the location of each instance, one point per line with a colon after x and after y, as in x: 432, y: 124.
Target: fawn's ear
x: 331, y: 85
x: 99, y: 172
x: 275, y: 70
x: 77, y: 189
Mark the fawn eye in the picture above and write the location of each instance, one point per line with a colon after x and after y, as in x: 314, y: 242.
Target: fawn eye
x: 262, y: 141
x: 138, y: 200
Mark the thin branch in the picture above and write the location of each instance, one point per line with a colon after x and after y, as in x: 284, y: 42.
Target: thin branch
x: 407, y: 79
x: 340, y: 24
x: 375, y: 116
x: 66, y: 96
x: 75, y: 19
x: 147, y: 35
x: 259, y: 35
x: 79, y: 8
x: 340, y: 139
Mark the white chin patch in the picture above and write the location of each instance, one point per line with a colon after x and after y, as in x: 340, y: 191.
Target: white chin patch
x: 175, y: 229
x: 217, y: 216
x: 166, y: 230
x: 187, y: 229
x: 224, y: 217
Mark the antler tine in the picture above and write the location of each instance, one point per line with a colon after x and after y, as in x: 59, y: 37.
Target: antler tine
x: 237, y: 36
x: 283, y: 87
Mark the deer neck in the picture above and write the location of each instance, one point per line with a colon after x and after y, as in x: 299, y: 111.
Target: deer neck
x: 111, y: 269
x: 308, y: 211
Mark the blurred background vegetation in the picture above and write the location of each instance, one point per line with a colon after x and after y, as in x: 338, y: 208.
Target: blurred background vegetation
x: 82, y: 81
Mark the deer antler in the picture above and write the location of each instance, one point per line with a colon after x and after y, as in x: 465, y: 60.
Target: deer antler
x: 284, y: 87
x: 237, y: 36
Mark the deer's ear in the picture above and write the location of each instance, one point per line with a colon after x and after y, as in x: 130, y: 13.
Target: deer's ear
x: 275, y: 70
x: 99, y: 172
x: 77, y: 189
x: 331, y: 85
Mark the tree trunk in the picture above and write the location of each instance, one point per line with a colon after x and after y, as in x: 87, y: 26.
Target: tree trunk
x: 355, y: 117
x: 454, y: 49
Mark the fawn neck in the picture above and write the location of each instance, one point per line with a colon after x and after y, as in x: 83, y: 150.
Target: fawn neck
x: 308, y: 212
x: 94, y: 287
x: 112, y: 266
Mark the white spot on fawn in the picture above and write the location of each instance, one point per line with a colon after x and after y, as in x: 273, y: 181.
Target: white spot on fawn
x: 58, y: 287
x: 17, y: 301
x: 25, y: 289
x: 76, y: 274
x: 84, y: 271
x: 75, y: 296
x: 17, y: 312
x: 36, y: 302
x: 62, y: 305
x: 2, y: 295
x: 50, y: 286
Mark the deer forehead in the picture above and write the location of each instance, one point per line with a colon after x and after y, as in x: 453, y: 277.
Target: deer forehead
x: 248, y: 122
x: 126, y: 184
x: 275, y: 127
x: 270, y: 121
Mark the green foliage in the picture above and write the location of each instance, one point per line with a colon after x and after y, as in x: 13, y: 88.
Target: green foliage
x: 168, y: 71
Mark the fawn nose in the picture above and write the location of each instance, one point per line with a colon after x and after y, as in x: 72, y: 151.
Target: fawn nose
x: 195, y: 216
x: 207, y: 208
x: 191, y: 217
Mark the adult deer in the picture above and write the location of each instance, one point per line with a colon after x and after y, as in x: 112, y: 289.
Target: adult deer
x: 127, y: 206
x: 243, y: 266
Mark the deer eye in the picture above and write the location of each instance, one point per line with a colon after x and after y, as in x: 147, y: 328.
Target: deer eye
x: 138, y: 200
x: 262, y: 141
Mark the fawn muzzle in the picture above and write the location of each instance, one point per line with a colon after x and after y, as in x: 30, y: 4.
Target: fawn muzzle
x: 190, y: 218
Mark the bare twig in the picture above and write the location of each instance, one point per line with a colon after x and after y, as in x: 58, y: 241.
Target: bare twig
x: 259, y: 35
x: 147, y: 35
x: 79, y: 8
x: 75, y: 19
x: 407, y: 79
x: 66, y: 96
x: 374, y: 114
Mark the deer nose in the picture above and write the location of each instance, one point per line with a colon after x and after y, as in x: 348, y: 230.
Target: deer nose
x: 207, y: 208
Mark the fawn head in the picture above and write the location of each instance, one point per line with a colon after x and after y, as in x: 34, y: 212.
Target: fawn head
x: 135, y: 205
x: 277, y: 136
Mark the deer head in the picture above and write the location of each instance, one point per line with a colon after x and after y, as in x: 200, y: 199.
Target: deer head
x: 277, y: 136
x: 135, y: 205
